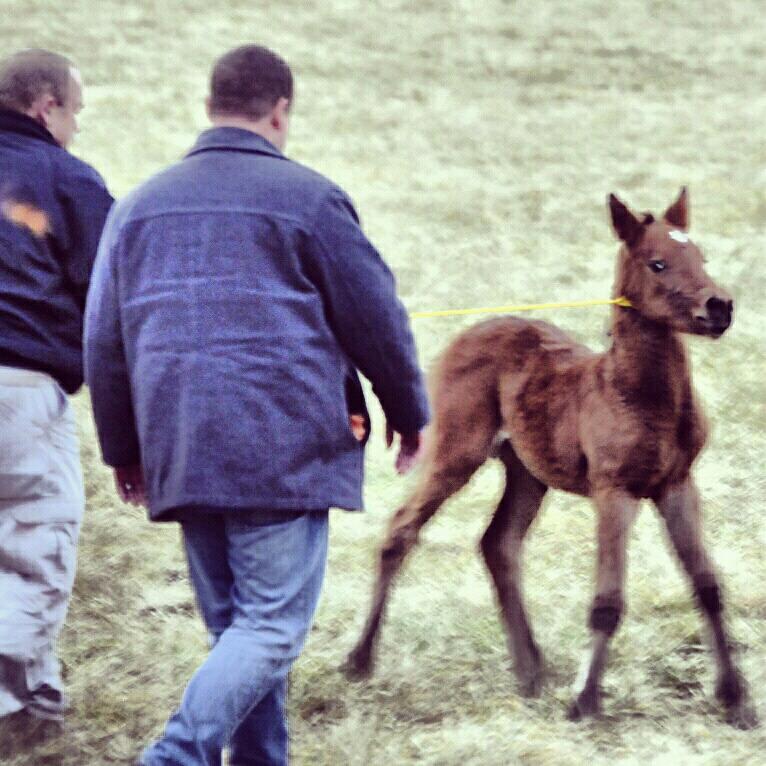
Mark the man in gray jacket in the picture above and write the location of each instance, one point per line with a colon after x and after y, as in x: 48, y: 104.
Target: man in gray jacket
x: 234, y: 297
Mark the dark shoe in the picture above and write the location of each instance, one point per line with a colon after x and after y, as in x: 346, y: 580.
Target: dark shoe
x: 22, y: 730
x: 11, y: 727
x: 42, y: 729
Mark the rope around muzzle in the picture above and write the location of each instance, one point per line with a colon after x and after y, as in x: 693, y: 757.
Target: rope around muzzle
x: 621, y: 301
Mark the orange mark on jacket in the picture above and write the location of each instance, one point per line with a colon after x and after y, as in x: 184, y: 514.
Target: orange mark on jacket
x: 27, y: 216
x: 358, y: 426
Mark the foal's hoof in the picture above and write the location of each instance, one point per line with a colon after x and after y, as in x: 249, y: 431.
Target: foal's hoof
x: 359, y: 665
x: 743, y: 716
x: 585, y: 705
x: 731, y: 693
x: 730, y: 690
x: 531, y: 685
x: 528, y: 668
x: 532, y: 688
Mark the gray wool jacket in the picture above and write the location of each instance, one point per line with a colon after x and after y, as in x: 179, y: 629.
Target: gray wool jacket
x: 233, y: 299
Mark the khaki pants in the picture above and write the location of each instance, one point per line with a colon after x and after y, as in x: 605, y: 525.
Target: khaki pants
x: 41, y: 506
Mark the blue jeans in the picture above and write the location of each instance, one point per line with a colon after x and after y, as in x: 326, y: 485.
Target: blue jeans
x: 257, y: 581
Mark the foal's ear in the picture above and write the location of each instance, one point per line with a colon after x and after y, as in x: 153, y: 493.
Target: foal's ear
x: 626, y: 225
x: 678, y: 213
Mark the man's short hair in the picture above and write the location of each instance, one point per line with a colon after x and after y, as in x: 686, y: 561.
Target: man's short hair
x: 248, y: 81
x: 29, y: 74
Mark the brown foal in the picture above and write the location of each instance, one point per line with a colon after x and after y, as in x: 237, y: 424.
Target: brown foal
x: 616, y: 427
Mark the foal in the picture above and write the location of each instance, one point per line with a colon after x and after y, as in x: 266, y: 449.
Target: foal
x: 616, y: 427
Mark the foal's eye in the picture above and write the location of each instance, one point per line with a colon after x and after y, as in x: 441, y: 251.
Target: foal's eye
x: 657, y: 266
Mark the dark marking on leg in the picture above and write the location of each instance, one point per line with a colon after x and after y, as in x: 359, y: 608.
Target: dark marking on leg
x: 605, y: 619
x: 708, y: 594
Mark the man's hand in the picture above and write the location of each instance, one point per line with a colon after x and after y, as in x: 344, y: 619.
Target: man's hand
x: 410, y: 448
x: 130, y: 484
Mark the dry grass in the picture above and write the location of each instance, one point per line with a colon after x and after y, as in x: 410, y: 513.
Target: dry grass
x: 479, y: 141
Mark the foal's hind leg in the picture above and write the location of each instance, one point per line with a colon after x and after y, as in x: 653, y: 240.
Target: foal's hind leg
x: 501, y: 546
x: 616, y: 512
x: 680, y: 509
x: 402, y: 536
x: 465, y: 423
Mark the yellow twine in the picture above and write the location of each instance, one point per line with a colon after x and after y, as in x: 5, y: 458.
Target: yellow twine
x: 621, y: 301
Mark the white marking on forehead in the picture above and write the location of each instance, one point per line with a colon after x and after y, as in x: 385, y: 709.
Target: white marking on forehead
x: 678, y: 236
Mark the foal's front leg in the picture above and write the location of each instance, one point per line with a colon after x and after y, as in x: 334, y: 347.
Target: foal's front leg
x: 616, y: 512
x: 680, y: 509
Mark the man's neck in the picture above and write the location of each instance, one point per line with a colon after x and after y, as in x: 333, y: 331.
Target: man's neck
x: 18, y: 122
x: 259, y: 127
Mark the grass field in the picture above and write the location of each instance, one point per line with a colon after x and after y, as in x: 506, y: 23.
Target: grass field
x: 479, y: 140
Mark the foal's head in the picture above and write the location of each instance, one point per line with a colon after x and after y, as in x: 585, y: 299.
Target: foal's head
x: 661, y: 271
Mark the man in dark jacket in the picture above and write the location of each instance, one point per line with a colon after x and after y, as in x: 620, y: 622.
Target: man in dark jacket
x: 52, y: 210
x: 234, y: 297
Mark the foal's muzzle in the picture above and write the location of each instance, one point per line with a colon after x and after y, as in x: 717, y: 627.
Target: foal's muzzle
x: 716, y: 317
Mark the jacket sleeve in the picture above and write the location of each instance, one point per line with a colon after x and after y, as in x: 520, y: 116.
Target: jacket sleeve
x: 86, y: 203
x: 106, y: 368
x: 366, y: 316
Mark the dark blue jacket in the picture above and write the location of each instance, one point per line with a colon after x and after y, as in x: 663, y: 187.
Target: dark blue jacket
x: 44, y: 276
x: 234, y: 296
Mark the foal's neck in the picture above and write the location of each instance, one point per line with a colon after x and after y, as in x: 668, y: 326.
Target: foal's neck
x: 647, y: 361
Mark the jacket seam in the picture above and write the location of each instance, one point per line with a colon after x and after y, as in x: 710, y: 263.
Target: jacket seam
x: 391, y: 373
x: 207, y: 211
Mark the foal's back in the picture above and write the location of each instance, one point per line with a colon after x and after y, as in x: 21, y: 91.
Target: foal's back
x: 570, y: 414
x: 524, y: 379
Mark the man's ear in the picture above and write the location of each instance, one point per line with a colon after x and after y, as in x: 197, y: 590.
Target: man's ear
x: 678, y: 213
x: 625, y: 224
x: 41, y: 108
x: 280, y: 113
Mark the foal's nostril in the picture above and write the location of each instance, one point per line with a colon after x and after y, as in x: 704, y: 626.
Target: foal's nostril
x: 719, y: 312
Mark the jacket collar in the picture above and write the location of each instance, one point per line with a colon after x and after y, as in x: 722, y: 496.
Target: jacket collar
x: 16, y: 122
x: 234, y: 139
